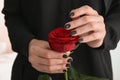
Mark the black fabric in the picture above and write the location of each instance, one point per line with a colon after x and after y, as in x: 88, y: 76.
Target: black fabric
x: 28, y: 19
x: 22, y: 70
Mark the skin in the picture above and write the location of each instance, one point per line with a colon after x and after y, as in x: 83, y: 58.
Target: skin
x: 43, y: 59
x: 90, y: 28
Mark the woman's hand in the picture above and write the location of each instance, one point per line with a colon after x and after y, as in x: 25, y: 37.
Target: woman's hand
x: 43, y: 59
x: 89, y: 25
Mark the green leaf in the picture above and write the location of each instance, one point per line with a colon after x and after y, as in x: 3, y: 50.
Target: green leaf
x: 44, y: 77
x: 86, y: 77
x: 74, y: 75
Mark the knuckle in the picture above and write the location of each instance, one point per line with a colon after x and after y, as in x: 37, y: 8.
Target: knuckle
x: 79, y: 30
x: 30, y: 59
x: 49, y: 62
x: 86, y: 18
x: 101, y: 17
x: 95, y: 36
x: 95, y: 11
x: 32, y: 49
x: 87, y: 7
x: 74, y: 23
x: 103, y: 28
x: 47, y: 54
x: 104, y: 32
x: 92, y: 25
x: 102, y: 35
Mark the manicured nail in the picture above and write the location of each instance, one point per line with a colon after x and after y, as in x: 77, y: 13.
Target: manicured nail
x: 68, y: 65
x: 67, y: 26
x: 71, y: 14
x: 64, y: 70
x: 73, y: 32
x: 70, y: 60
x: 65, y: 56
x: 81, y: 40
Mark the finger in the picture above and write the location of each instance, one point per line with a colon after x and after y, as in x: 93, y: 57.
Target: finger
x: 84, y: 10
x: 81, y: 30
x: 50, y: 62
x: 43, y: 50
x: 83, y: 20
x: 90, y: 27
x: 50, y: 69
x: 47, y: 53
x: 90, y: 37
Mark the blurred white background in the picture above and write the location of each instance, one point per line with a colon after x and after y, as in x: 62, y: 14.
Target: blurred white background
x: 115, y: 54
x: 7, y: 56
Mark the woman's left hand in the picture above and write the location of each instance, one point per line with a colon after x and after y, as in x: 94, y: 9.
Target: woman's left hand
x: 87, y: 24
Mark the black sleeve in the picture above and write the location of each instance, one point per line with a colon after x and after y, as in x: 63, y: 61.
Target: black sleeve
x: 18, y: 30
x: 112, y: 22
x: 20, y: 34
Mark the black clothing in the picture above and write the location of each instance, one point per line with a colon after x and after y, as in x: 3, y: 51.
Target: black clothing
x: 28, y: 19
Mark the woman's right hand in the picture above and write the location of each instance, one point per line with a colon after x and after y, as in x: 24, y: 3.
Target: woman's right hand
x: 43, y: 59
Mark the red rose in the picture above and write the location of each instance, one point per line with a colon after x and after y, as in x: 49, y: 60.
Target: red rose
x: 60, y: 40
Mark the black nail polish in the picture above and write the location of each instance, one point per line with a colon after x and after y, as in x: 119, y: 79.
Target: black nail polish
x: 70, y: 60
x: 73, y: 32
x: 68, y: 68
x: 67, y: 26
x: 68, y: 65
x: 64, y: 70
x: 71, y: 14
x: 65, y: 56
x: 81, y: 39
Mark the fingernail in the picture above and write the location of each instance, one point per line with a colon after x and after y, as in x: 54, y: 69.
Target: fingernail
x: 73, y: 32
x: 65, y: 56
x: 81, y: 40
x: 71, y: 14
x: 70, y: 60
x: 68, y: 68
x: 64, y: 70
x: 68, y: 65
x: 67, y: 26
